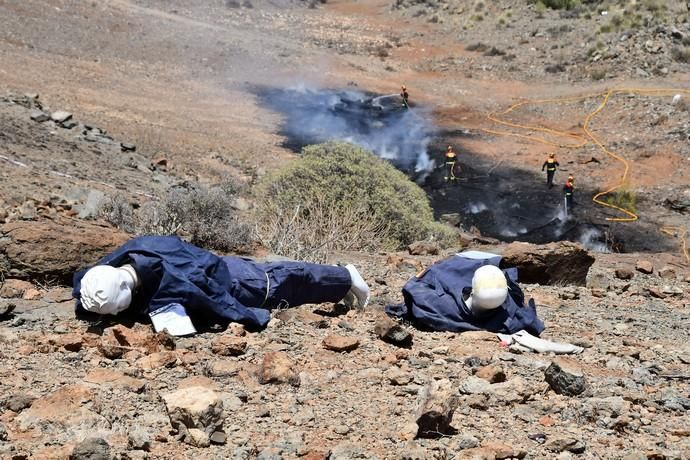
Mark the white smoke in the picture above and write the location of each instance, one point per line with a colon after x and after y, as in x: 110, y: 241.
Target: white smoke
x: 379, y: 124
x: 592, y: 240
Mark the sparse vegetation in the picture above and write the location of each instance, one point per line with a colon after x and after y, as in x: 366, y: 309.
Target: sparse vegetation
x: 202, y: 215
x: 558, y: 4
x: 681, y: 54
x: 623, y: 198
x: 337, y: 196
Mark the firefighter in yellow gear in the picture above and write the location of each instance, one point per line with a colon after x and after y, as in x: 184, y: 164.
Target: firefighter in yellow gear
x: 550, y: 165
x: 451, y: 158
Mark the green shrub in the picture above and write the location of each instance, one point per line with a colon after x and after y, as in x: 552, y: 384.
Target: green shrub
x: 623, y: 198
x: 337, y: 196
x: 558, y: 4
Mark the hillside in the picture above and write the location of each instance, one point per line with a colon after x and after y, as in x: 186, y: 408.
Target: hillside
x: 166, y: 98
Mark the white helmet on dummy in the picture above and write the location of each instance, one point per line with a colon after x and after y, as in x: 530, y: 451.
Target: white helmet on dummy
x: 489, y: 289
x: 108, y: 290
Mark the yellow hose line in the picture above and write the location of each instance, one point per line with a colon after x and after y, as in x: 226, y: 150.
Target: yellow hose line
x: 580, y: 140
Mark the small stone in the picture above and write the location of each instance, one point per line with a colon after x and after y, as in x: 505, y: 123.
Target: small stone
x: 39, y: 116
x: 127, y: 147
x: 423, y: 248
x: 644, y: 266
x: 566, y: 444
x: 277, y: 367
x: 396, y: 376
x: 473, y: 386
x: 60, y: 116
x: 565, y: 378
x: 195, y: 407
x: 218, y: 437
x: 6, y: 308
x: 197, y: 438
x: 69, y: 124
x: 408, y: 431
x: 598, y: 292
x: 340, y: 343
x: 467, y: 441
x: 139, y: 440
x: 91, y: 449
x: 667, y: 272
x: 491, y: 373
x: 624, y: 273
x: 656, y: 292
x: 438, y: 402
x: 226, y: 345
x: 392, y: 332
x: 18, y: 402
x: 342, y: 430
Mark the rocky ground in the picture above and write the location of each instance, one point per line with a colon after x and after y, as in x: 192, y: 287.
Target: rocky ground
x: 321, y: 381
x: 130, y: 98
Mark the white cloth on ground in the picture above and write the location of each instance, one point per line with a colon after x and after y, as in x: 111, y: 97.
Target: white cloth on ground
x: 524, y: 340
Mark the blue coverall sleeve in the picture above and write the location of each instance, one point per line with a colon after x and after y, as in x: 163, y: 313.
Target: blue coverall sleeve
x: 204, y: 293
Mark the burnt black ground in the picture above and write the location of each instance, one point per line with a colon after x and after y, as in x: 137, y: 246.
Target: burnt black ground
x: 503, y: 202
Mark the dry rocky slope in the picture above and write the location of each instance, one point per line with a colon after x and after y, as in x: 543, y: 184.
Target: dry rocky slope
x: 322, y: 382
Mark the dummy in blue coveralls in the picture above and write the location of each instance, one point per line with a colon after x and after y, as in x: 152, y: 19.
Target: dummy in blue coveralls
x: 436, y: 299
x: 172, y: 271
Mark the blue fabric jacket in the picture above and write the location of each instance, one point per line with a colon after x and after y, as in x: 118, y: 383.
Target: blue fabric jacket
x: 173, y: 271
x: 434, y: 299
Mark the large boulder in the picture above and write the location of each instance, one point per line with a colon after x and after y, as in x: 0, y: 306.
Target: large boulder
x: 563, y: 262
x: 54, y: 249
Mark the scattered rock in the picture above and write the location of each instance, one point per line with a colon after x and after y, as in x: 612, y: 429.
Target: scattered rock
x: 303, y: 316
x: 195, y: 408
x: 491, y: 373
x: 138, y: 440
x: 6, y: 309
x: 60, y: 116
x: 54, y: 249
x: 226, y: 345
x: 667, y: 272
x: 392, y: 332
x: 423, y: 248
x: 624, y: 273
x: 562, y: 262
x: 197, y: 438
x: 644, y: 266
x: 91, y: 449
x: 277, y: 367
x: 566, y: 444
x: 19, y: 401
x: 565, y: 378
x: 218, y: 437
x: 656, y: 292
x: 340, y: 343
x: 437, y: 403
x: 39, y: 116
x: 127, y: 147
x: 14, y: 288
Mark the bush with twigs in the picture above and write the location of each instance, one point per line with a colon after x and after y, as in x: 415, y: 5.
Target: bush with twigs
x: 337, y: 196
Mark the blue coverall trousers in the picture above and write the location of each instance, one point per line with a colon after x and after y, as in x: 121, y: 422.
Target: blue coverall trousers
x: 286, y: 284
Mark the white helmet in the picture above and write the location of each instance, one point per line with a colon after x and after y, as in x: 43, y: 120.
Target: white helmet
x: 107, y: 290
x: 489, y: 288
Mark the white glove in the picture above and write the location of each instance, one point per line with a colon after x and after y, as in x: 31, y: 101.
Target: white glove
x: 359, y: 290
